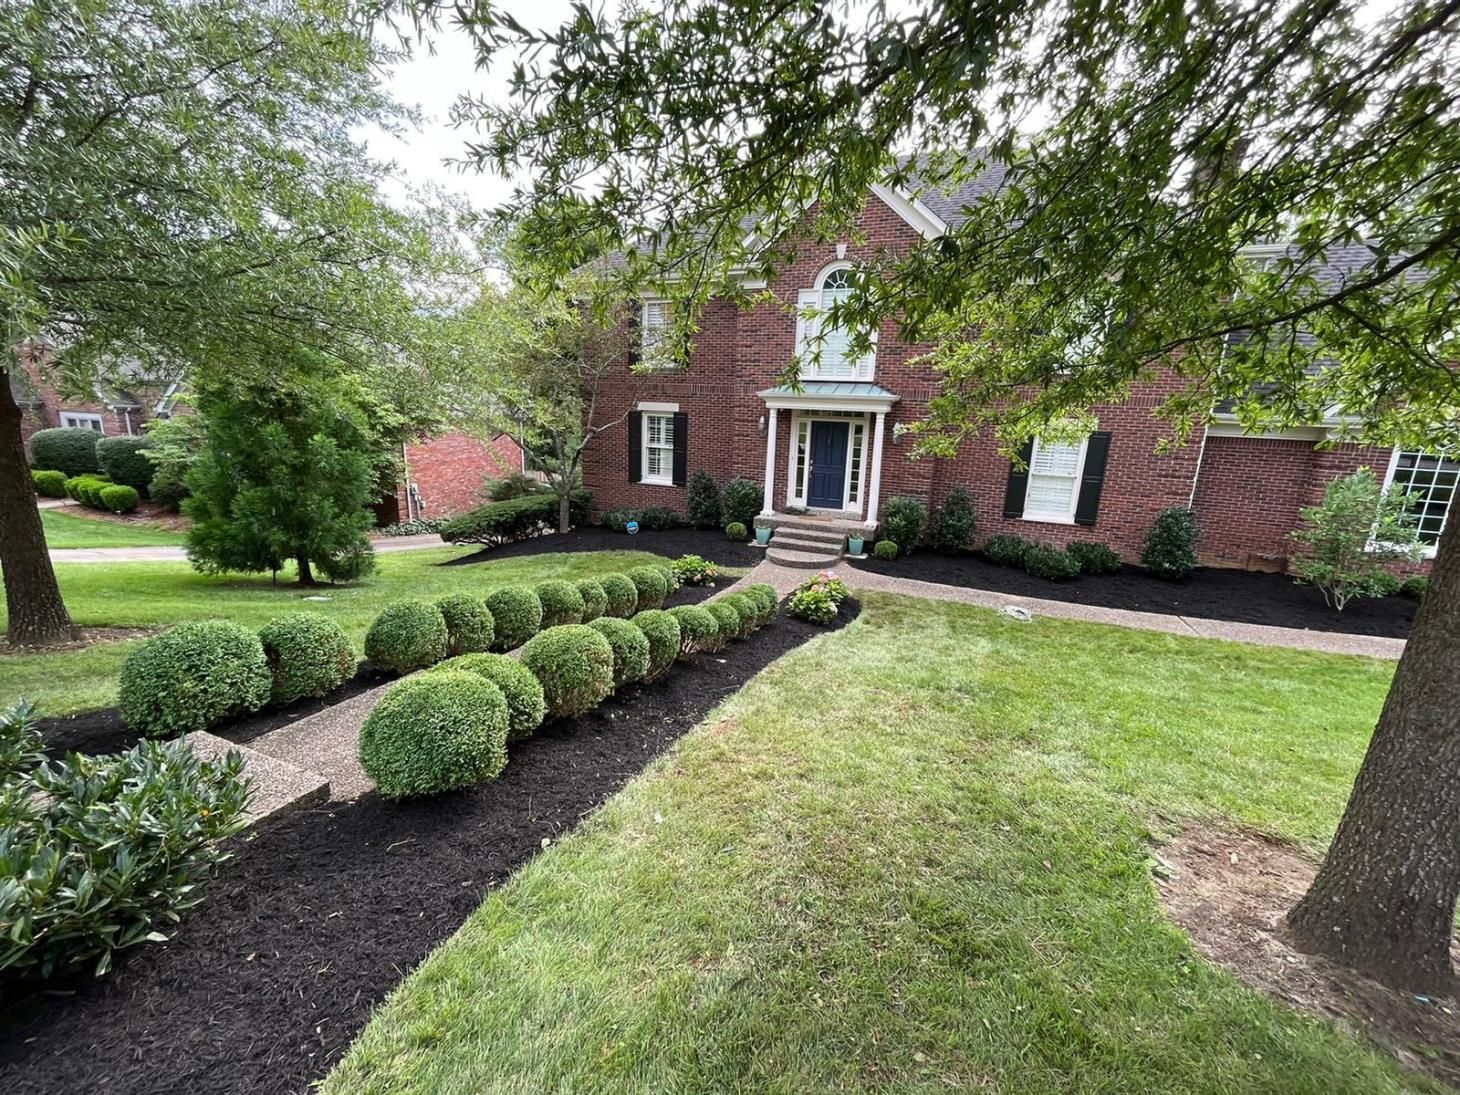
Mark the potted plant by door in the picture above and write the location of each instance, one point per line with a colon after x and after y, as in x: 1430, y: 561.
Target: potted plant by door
x: 762, y: 535
x: 855, y: 544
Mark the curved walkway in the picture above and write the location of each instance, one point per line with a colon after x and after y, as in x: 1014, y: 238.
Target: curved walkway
x: 172, y: 554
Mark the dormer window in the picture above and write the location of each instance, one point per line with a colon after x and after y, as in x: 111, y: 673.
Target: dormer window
x: 829, y: 357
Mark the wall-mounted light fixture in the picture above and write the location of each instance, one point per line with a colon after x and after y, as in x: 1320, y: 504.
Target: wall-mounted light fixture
x: 841, y: 251
x: 762, y: 425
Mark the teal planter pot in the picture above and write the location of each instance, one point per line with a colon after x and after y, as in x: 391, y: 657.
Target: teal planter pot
x: 762, y: 536
x: 855, y: 546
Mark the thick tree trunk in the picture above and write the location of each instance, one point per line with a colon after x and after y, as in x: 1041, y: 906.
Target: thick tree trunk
x: 1384, y: 899
x: 564, y: 513
x: 32, y: 598
x: 306, y: 573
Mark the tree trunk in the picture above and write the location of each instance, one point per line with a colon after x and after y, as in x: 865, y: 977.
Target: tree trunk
x: 564, y: 512
x: 1384, y: 899
x: 38, y: 616
x: 306, y: 575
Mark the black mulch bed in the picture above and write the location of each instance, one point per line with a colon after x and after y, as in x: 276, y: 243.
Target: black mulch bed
x: 103, y: 731
x: 321, y: 913
x: 713, y: 544
x: 1211, y: 594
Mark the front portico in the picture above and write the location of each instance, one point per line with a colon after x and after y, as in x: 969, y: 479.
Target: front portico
x: 833, y: 465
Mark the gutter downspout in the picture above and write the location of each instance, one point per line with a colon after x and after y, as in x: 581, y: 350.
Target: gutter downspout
x: 1196, y: 475
x: 405, y: 463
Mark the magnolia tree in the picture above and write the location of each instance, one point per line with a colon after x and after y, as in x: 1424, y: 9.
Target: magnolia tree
x: 1148, y: 149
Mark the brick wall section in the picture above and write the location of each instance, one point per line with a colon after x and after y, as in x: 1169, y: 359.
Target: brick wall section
x: 449, y: 470
x: 115, y: 422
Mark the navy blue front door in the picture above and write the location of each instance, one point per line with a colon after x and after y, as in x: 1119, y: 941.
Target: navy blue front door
x: 828, y: 485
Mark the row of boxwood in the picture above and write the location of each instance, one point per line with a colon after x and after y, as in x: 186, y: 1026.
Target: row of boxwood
x: 449, y: 727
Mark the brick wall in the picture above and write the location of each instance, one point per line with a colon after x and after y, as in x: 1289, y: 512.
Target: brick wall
x: 449, y: 470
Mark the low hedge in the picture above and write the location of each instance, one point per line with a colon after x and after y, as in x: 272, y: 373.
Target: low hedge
x: 727, y: 619
x: 662, y: 631
x: 748, y: 609
x: 308, y: 655
x: 561, y: 602
x: 406, y: 636
x: 118, y: 498
x: 766, y: 597
x: 630, y: 649
x: 70, y: 449
x: 86, y: 489
x: 1094, y: 558
x: 650, y: 584
x: 622, y: 594
x: 470, y: 628
x: 1007, y: 551
x: 433, y: 733
x: 699, y: 631
x: 526, y: 707
x: 514, y: 519
x: 595, y: 600
x: 122, y: 461
x: 49, y: 484
x: 574, y: 665
x: 517, y: 613
x: 193, y: 677
x: 1051, y: 563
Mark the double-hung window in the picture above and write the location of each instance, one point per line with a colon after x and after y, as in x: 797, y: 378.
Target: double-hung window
x: 654, y: 324
x: 1430, y: 479
x: 658, y: 451
x: 1054, y: 480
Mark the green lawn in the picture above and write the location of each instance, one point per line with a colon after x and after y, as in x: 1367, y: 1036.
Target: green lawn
x: 67, y: 530
x: 157, y: 594
x: 909, y: 856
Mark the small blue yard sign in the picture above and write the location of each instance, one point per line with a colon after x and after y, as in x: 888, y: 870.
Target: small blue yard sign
x: 632, y: 527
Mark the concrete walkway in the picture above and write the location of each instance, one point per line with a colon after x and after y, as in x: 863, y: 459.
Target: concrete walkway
x: 162, y: 554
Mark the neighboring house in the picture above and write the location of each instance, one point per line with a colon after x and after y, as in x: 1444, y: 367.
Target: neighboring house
x: 833, y: 447
x: 112, y: 411
x: 444, y: 475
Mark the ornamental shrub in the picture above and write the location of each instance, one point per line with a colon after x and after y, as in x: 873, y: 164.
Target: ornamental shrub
x: 100, y: 852
x: 748, y: 609
x: 694, y: 570
x: 662, y: 631
x: 659, y: 518
x: 740, y: 501
x: 436, y: 732
x: 903, y: 520
x: 1170, y: 548
x: 698, y: 630
x: 574, y: 665
x: 308, y: 655
x: 1007, y: 551
x: 1415, y: 587
x: 630, y: 649
x: 511, y: 486
x: 812, y: 603
x: 1094, y: 558
x: 515, y: 519
x: 1347, y: 541
x: 561, y: 602
x: 516, y: 615
x: 595, y: 600
x: 726, y: 619
x: 86, y: 489
x: 118, y: 498
x: 49, y: 484
x: 526, y: 707
x: 406, y: 636
x: 885, y: 550
x: 617, y: 520
x: 953, y: 531
x: 768, y: 600
x: 650, y: 585
x: 193, y: 677
x: 702, y: 501
x: 71, y: 450
x: 1387, y: 585
x: 1051, y: 563
x: 122, y: 460
x: 736, y: 531
x: 622, y: 594
x: 470, y: 628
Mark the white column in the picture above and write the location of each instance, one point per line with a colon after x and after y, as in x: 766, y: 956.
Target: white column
x: 770, y: 465
x: 874, y: 493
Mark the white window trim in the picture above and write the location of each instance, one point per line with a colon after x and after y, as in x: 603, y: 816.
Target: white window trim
x: 1055, y: 519
x: 74, y: 420
x: 1430, y: 550
x: 645, y: 447
x: 864, y: 369
x: 655, y: 359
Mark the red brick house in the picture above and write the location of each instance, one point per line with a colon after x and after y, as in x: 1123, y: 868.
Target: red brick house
x: 833, y: 449
x: 110, y: 410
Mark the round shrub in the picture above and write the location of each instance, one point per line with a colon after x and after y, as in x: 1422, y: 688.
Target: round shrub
x: 1415, y: 587
x: 86, y: 489
x: 435, y: 732
x: 765, y: 595
x: 69, y: 449
x: 1094, y: 558
x: 469, y: 626
x: 1051, y: 563
x: 1170, y: 548
x: 308, y: 655
x: 662, y: 631
x: 698, y: 630
x: 727, y: 619
x: 122, y: 461
x: 630, y: 649
x: 1007, y: 551
x: 747, y: 609
x: 574, y: 665
x: 736, y: 531
x: 885, y: 549
x: 650, y: 584
x: 517, y: 614
x: 526, y: 707
x: 118, y: 499
x: 594, y: 599
x: 561, y: 602
x: 406, y: 636
x: 49, y: 484
x: 622, y: 595
x: 193, y: 677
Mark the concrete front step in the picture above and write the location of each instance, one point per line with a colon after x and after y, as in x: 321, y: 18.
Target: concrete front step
x: 278, y: 786
x: 811, y: 531
x: 809, y: 560
x: 793, y: 540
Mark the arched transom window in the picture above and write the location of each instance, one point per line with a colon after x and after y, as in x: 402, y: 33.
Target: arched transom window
x: 835, y: 358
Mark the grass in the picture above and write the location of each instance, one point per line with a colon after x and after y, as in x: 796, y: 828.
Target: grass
x: 159, y: 594
x: 910, y: 856
x: 67, y: 530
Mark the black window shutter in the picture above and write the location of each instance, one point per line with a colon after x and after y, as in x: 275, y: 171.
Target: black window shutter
x: 681, y: 448
x: 1097, y: 453
x: 1018, y: 482
x: 634, y: 318
x: 636, y: 446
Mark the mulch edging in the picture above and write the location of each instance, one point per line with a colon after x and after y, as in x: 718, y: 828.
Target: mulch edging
x: 321, y: 913
x: 1239, y: 596
x: 712, y: 544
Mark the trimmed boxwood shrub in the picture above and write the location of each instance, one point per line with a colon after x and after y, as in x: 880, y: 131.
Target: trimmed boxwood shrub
x: 526, y: 707
x: 622, y: 594
x: 49, y: 484
x: 433, y: 733
x: 561, y: 602
x: 193, y: 677
x: 406, y: 636
x: 469, y: 626
x: 736, y: 531
x: 574, y: 665
x: 726, y: 619
x: 765, y: 595
x: 1049, y: 562
x: 308, y: 655
x: 698, y: 630
x: 86, y: 489
x: 885, y: 550
x: 747, y: 608
x: 1094, y: 558
x: 1007, y: 551
x: 122, y: 461
x: 903, y: 521
x: 595, y: 600
x: 662, y: 631
x: 1170, y: 548
x: 517, y: 614
x: 1415, y: 587
x: 740, y: 501
x: 650, y: 584
x: 630, y: 649
x: 69, y: 449
x: 118, y: 498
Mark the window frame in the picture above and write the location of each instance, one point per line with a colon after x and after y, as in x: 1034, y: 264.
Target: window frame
x: 83, y: 420
x: 665, y: 445
x: 1430, y: 550
x: 1045, y: 518
x: 655, y: 355
x: 863, y: 369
